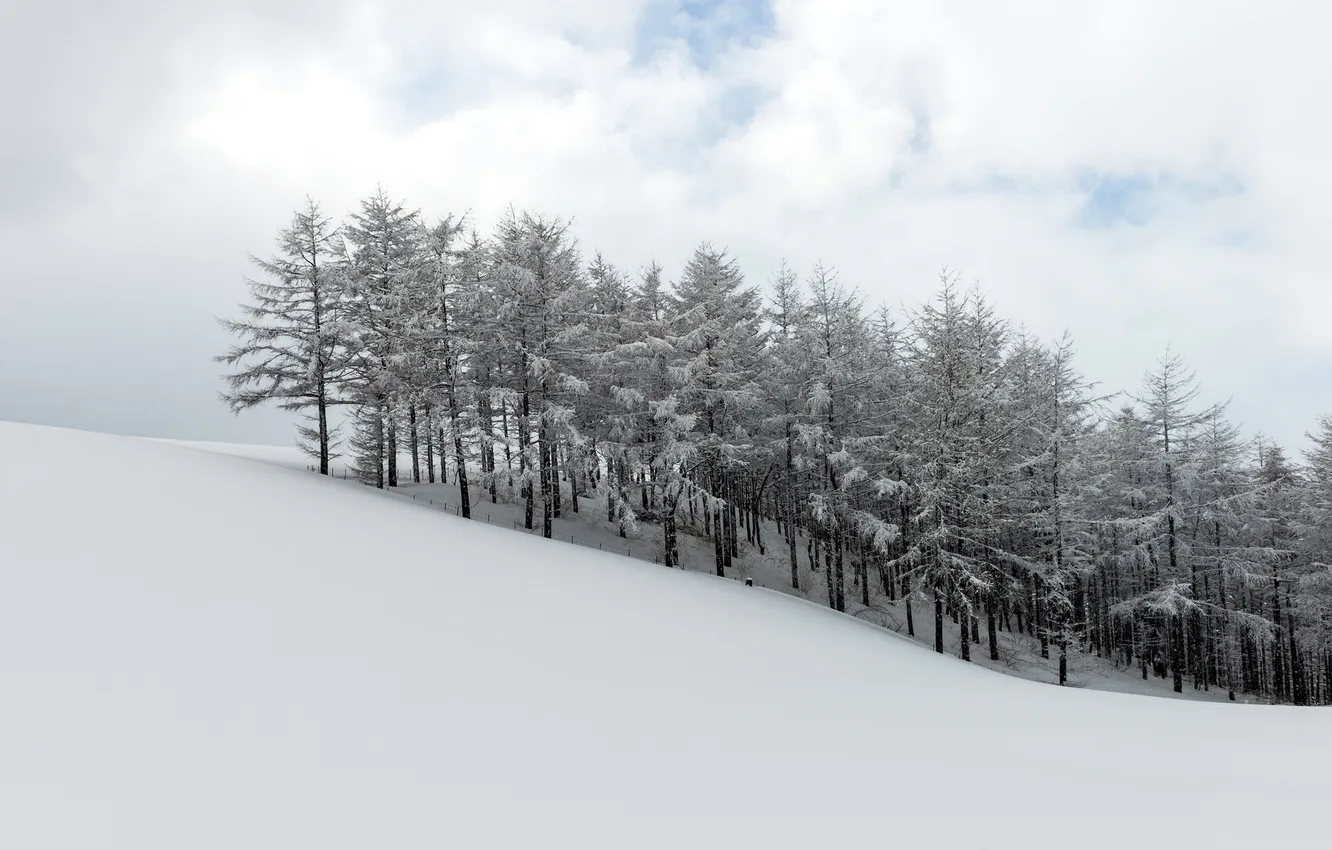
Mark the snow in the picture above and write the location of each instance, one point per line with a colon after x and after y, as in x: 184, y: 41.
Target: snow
x: 1019, y: 654
x: 201, y: 650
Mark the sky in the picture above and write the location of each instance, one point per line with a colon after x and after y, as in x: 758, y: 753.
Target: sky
x: 1137, y: 173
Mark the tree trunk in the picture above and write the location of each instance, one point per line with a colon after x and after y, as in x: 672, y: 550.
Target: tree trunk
x: 670, y: 553
x: 791, y: 541
x: 547, y: 485
x: 571, y: 463
x: 1177, y: 653
x: 460, y: 461
x: 392, y: 448
x: 938, y: 622
x: 964, y: 626
x: 555, y: 489
x: 323, y: 430
x: 718, y: 544
x: 415, y: 443
x: 379, y: 445
x: 524, y: 441
x: 992, y: 628
x: 841, y: 574
x: 430, y: 448
x: 443, y: 458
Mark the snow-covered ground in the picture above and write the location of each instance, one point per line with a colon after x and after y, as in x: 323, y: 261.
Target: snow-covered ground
x: 1019, y: 653
x: 203, y: 651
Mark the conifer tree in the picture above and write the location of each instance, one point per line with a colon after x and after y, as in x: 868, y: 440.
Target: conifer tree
x: 291, y: 349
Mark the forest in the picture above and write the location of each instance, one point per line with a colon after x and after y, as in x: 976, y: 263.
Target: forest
x: 942, y: 457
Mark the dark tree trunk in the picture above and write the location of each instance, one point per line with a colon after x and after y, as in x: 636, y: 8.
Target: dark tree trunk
x: 718, y: 544
x: 841, y: 576
x: 323, y: 430
x: 571, y: 464
x: 964, y: 628
x: 864, y: 577
x: 391, y: 425
x: 460, y: 461
x: 430, y: 448
x: 623, y: 483
x: 415, y: 443
x: 1177, y: 653
x: 443, y: 458
x: 379, y: 446
x: 1039, y: 616
x: 938, y: 622
x: 547, y: 484
x: 791, y: 540
x: 1278, y: 659
x: 992, y: 629
x: 758, y: 528
x: 524, y: 444
x: 556, y: 491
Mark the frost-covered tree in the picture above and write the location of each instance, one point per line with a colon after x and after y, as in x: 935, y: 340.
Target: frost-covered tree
x: 382, y: 247
x: 785, y: 384
x: 290, y: 348
x: 717, y: 327
x: 447, y: 303
x: 540, y: 299
x: 959, y: 440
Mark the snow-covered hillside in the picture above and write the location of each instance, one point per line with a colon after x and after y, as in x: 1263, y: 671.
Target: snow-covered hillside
x: 1019, y: 653
x: 203, y: 651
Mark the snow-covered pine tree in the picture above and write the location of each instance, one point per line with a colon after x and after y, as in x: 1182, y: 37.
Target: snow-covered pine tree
x: 785, y: 382
x: 1314, y: 585
x: 613, y: 413
x: 381, y: 243
x: 541, y: 296
x: 644, y: 380
x: 1228, y: 556
x: 840, y: 434
x: 1279, y: 503
x: 1060, y: 419
x: 959, y: 440
x: 290, y: 348
x: 1166, y: 607
x: 716, y: 323
x: 447, y: 304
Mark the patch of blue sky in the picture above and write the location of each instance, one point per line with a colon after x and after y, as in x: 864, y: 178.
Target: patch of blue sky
x: 707, y: 28
x: 1134, y: 198
x: 434, y: 88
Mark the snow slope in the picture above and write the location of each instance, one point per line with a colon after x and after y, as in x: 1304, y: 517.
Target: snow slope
x: 1019, y: 653
x: 202, y: 651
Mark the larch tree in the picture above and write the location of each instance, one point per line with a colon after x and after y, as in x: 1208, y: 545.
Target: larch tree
x: 381, y: 254
x: 291, y: 347
x: 717, y: 326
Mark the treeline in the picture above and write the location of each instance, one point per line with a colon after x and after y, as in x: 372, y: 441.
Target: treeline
x: 942, y: 459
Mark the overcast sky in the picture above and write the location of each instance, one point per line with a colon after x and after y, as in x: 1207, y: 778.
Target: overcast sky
x: 1136, y: 172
